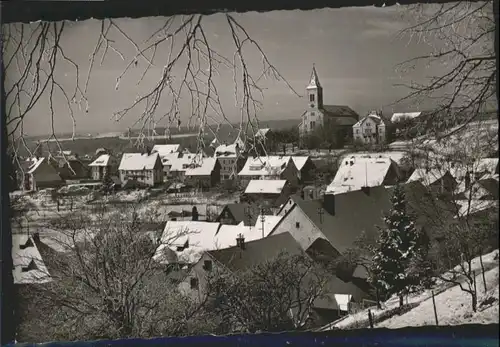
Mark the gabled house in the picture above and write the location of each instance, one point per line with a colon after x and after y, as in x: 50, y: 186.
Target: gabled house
x: 204, y: 173
x: 269, y: 168
x: 73, y: 168
x: 305, y: 167
x: 184, y: 242
x: 230, y: 160
x: 101, y: 167
x: 370, y: 129
x: 38, y: 173
x: 341, y: 218
x: 440, y: 181
x: 28, y: 265
x: 144, y: 168
x: 240, y: 212
x: 269, y: 192
x: 248, y: 254
x: 357, y: 172
x: 166, y: 149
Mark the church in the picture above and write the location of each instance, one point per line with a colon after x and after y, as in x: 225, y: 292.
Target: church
x: 318, y: 114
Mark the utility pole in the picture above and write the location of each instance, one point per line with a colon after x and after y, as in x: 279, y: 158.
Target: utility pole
x: 320, y: 213
x: 262, y: 219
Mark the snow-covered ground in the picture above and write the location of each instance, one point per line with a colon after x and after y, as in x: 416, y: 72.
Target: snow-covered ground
x: 453, y: 305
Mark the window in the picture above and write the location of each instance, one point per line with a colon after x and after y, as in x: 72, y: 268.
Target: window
x: 311, y: 97
x: 313, y: 114
x: 297, y: 224
x: 357, y: 131
x: 207, y: 265
x: 194, y: 283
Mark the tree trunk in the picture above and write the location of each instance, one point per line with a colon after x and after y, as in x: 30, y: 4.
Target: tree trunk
x: 482, y: 271
x: 401, y: 301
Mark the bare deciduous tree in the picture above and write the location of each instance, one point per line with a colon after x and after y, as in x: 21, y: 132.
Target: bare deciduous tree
x: 461, y: 40
x: 33, y: 53
x: 276, y: 295
x: 105, y: 283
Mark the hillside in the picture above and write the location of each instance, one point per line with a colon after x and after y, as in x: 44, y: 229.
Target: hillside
x: 453, y: 305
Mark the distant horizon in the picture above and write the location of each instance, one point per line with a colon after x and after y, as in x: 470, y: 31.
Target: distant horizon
x: 358, y: 69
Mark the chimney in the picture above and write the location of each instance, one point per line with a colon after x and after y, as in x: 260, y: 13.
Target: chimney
x: 366, y: 190
x: 240, y: 241
x: 329, y: 203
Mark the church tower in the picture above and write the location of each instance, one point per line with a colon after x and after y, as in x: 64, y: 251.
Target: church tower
x: 314, y: 91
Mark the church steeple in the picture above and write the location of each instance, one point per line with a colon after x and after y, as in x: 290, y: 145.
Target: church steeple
x: 314, y: 91
x: 314, y: 80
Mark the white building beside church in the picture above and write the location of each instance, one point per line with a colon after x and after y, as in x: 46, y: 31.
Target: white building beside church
x: 370, y: 130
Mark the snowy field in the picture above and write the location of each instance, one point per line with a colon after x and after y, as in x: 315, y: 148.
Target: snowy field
x: 453, y: 305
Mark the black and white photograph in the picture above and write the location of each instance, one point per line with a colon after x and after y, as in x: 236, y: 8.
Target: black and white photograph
x: 251, y: 172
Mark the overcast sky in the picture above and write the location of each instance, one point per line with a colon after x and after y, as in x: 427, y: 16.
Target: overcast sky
x: 355, y: 51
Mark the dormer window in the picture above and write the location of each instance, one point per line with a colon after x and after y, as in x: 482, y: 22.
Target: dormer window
x: 31, y: 266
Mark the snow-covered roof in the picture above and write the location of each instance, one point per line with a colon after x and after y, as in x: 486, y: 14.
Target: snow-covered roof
x: 102, y: 160
x: 183, y: 162
x: 169, y: 158
x: 270, y: 223
x: 36, y: 164
x: 356, y: 172
x: 427, y: 177
x: 265, y: 166
x: 396, y: 117
x: 228, y: 233
x: 204, y: 167
x: 475, y: 206
x: 138, y: 161
x: 166, y: 149
x: 395, y: 156
x: 227, y: 151
x: 265, y: 186
x: 262, y: 132
x: 300, y: 161
x: 197, y: 236
x: 29, y: 260
x: 375, y: 117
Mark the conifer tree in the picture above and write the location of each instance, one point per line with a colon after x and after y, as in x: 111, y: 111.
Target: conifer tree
x: 401, y: 251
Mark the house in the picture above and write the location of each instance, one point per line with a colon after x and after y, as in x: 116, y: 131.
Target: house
x: 341, y: 218
x: 230, y: 160
x: 439, y: 180
x: 28, y: 265
x: 248, y: 254
x: 166, y: 149
x: 371, y: 129
x: 101, y: 167
x: 318, y: 114
x: 204, y: 173
x: 40, y: 175
x: 269, y: 167
x: 177, y: 165
x: 267, y: 192
x: 73, y: 168
x: 240, y: 212
x: 144, y: 168
x: 357, y: 172
x: 305, y: 167
x: 184, y: 242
